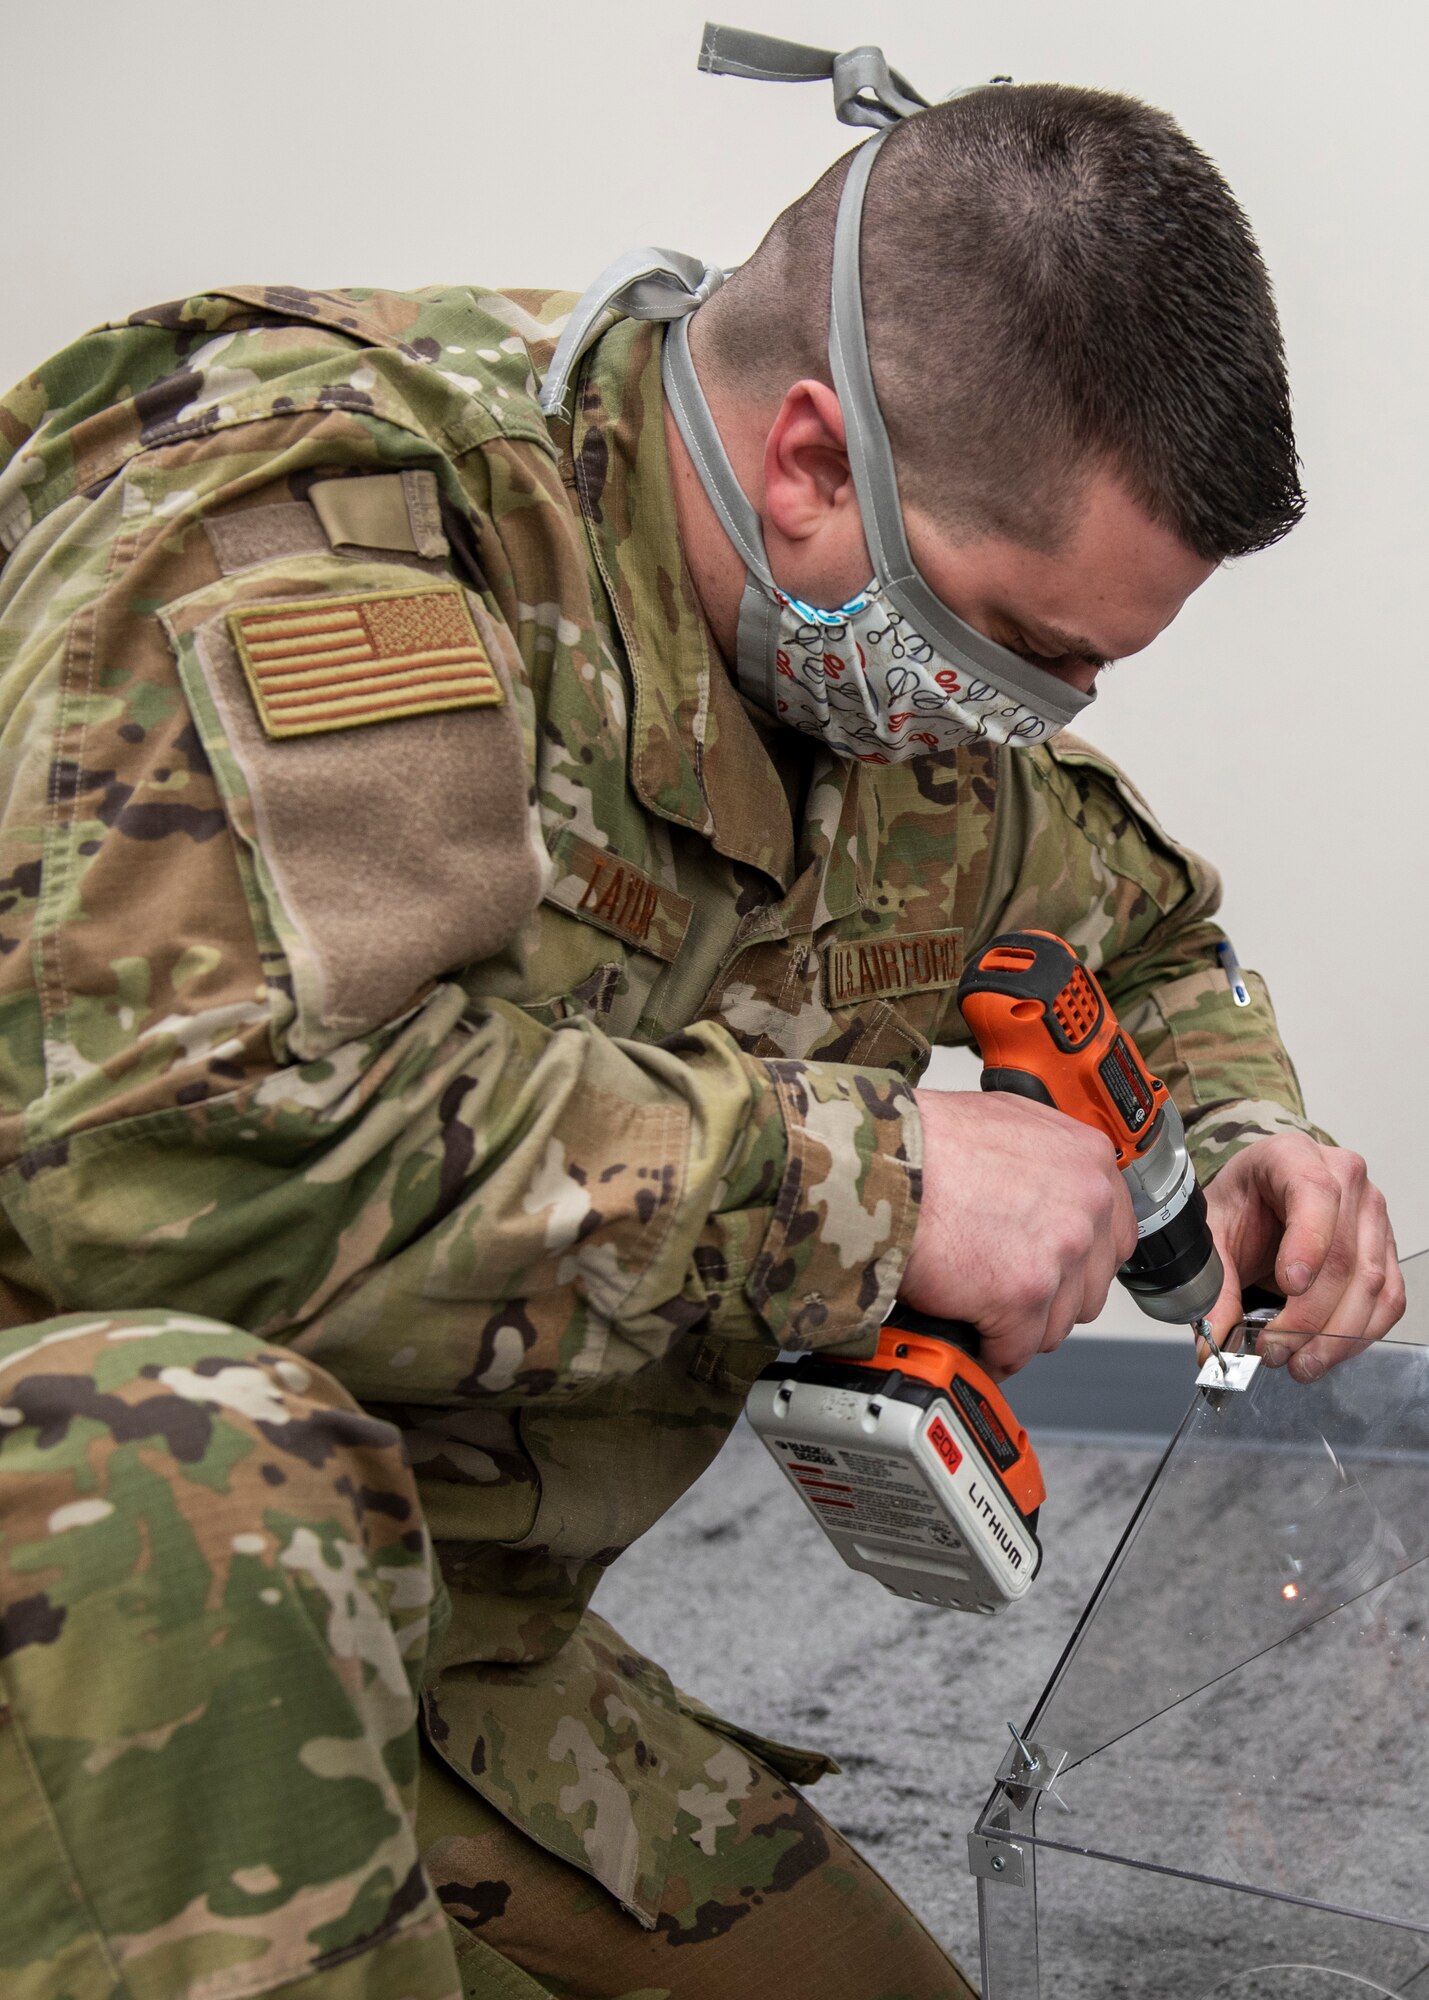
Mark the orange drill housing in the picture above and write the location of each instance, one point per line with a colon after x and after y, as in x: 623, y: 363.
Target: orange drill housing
x: 1046, y: 1030
x: 935, y: 1360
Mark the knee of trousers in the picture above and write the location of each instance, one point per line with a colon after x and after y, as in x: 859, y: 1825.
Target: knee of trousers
x: 216, y: 1591
x: 164, y: 1475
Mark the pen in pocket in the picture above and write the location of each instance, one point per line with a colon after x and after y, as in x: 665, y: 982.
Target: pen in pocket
x: 1235, y: 978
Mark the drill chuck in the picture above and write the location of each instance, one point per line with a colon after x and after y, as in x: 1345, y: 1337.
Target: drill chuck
x: 1176, y: 1275
x: 1175, y: 1272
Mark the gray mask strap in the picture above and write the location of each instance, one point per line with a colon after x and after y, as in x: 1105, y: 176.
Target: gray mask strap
x: 647, y: 284
x: 758, y: 612
x: 706, y: 448
x: 866, y: 90
x: 876, y: 482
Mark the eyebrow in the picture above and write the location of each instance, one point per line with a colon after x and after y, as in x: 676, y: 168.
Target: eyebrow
x: 1067, y: 644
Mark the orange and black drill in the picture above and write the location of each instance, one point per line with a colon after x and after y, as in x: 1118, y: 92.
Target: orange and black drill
x: 912, y: 1461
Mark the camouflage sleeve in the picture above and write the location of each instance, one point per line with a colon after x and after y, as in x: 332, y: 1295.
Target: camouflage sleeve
x: 561, y: 1203
x: 1078, y: 851
x: 270, y: 1095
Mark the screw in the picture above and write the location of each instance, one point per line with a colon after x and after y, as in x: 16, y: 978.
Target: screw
x: 1202, y: 1330
x: 1027, y: 1759
x: 999, y: 1862
x: 901, y: 1352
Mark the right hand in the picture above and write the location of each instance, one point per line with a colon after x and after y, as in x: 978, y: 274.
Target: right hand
x: 1024, y: 1221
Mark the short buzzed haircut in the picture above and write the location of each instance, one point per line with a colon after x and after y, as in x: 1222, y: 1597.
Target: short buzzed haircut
x: 1054, y: 279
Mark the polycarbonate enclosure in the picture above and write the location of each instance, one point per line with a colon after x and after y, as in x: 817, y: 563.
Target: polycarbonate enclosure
x: 1228, y: 1797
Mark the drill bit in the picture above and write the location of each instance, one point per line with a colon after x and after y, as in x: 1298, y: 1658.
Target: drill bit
x: 1202, y: 1330
x: 1027, y: 1755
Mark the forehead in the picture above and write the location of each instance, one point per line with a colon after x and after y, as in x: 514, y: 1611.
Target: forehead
x: 1114, y: 583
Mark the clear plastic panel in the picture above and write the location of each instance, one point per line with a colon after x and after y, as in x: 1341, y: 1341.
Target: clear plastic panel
x: 1240, y: 1724
x: 1121, y: 1933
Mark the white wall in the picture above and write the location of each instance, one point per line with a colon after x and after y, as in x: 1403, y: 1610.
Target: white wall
x: 1278, y: 727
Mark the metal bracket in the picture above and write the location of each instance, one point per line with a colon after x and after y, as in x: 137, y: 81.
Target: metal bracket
x: 1030, y: 1767
x: 996, y: 1860
x: 1226, y: 1372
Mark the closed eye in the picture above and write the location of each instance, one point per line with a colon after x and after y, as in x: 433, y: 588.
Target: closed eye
x: 1069, y: 657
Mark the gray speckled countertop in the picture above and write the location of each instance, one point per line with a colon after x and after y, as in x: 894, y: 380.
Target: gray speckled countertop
x: 730, y: 1589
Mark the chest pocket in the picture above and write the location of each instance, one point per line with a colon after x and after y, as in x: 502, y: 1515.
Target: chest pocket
x: 873, y: 998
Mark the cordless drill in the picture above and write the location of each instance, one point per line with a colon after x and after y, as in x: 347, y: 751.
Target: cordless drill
x: 912, y: 1461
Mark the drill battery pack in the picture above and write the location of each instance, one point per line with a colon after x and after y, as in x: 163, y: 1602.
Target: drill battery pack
x: 912, y: 1464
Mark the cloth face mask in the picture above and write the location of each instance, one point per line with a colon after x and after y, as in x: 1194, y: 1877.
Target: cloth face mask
x: 871, y: 687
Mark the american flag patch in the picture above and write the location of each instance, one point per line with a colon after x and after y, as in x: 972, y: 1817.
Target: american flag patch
x: 334, y: 662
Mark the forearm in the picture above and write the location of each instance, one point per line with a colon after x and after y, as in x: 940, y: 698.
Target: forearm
x: 537, y: 1204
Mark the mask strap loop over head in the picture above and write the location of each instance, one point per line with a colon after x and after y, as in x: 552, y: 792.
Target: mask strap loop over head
x: 653, y: 284
x: 866, y: 90
x: 647, y: 284
x: 706, y: 448
x: 876, y: 480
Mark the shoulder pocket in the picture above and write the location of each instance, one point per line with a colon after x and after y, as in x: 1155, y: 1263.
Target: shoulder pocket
x: 363, y: 729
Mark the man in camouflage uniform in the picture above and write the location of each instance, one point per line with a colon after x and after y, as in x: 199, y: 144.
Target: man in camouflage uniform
x: 452, y: 1040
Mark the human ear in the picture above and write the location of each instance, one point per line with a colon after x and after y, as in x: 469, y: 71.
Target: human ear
x: 808, y: 487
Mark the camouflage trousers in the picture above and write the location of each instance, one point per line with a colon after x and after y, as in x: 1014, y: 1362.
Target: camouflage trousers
x: 217, y: 1597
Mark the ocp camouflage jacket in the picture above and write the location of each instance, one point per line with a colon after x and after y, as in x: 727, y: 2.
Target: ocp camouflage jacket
x: 413, y: 950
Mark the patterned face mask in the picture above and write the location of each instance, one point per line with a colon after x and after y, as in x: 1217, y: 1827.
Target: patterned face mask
x: 871, y: 687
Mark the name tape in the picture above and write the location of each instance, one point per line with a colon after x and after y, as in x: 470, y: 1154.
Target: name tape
x: 871, y: 968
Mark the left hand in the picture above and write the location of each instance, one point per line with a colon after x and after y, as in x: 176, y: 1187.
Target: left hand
x: 1307, y: 1220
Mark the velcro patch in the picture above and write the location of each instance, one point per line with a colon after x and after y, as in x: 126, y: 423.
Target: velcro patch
x: 871, y: 968
x: 316, y: 663
x: 604, y: 889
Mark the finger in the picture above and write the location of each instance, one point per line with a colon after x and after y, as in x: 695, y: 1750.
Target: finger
x: 1349, y: 1329
x: 1308, y: 1197
x: 1008, y: 1348
x: 1087, y: 1292
x: 1069, y: 1309
x: 1006, y: 1352
x: 1006, y: 1357
x: 1345, y: 1327
x: 1392, y: 1301
x: 1125, y: 1237
x: 1311, y: 1309
x: 1079, y: 1296
x: 1114, y: 1242
x: 1061, y: 1317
